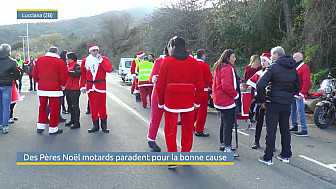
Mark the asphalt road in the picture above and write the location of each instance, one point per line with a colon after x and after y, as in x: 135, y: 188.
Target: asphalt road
x: 312, y: 165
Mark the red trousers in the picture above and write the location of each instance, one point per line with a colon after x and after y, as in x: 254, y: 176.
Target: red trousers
x: 156, y: 116
x: 135, y: 86
x: 54, y: 105
x: 187, y: 127
x: 144, y: 92
x: 97, y: 103
x: 201, y: 113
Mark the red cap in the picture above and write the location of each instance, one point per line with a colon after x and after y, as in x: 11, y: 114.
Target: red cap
x: 266, y: 56
x: 93, y: 47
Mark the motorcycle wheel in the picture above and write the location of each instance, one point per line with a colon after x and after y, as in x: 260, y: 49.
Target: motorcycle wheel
x: 322, y: 118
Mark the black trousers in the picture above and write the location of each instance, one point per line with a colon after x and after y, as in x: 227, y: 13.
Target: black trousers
x: 72, y: 97
x: 260, y: 114
x: 226, y: 126
x: 11, y: 110
x: 277, y: 113
x: 251, y: 109
x: 31, y: 83
x: 20, y: 81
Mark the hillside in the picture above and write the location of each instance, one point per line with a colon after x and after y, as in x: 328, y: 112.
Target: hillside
x: 82, y: 27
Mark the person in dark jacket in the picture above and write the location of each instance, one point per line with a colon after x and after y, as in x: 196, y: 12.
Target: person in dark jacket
x: 63, y: 108
x: 282, y: 82
x: 72, y: 91
x: 8, y: 73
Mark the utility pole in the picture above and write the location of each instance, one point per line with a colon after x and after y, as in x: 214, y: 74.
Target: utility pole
x: 28, y: 43
x: 23, y: 48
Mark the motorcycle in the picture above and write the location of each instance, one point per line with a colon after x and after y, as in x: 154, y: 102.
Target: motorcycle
x: 324, y: 114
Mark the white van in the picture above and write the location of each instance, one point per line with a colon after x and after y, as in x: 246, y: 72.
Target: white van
x: 125, y: 67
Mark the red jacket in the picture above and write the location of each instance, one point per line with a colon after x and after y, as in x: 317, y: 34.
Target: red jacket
x: 93, y: 76
x: 74, y: 74
x: 207, y: 76
x: 249, y: 72
x: 176, y: 84
x: 255, y: 78
x: 51, y: 74
x: 304, y: 74
x: 224, y: 88
x: 31, y: 65
x: 156, y: 67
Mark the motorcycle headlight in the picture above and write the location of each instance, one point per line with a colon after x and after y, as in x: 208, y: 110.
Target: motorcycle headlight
x: 328, y: 90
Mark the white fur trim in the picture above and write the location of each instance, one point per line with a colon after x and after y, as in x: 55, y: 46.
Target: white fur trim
x: 82, y: 88
x: 261, y: 72
x: 149, y: 139
x: 249, y: 82
x: 93, y: 48
x: 41, y: 125
x: 225, y: 107
x: 198, y: 59
x: 237, y: 96
x: 196, y: 105
x: 141, y: 55
x: 145, y: 85
x: 53, y: 129
x: 266, y: 58
x: 234, y: 78
x: 49, y: 93
x: 52, y: 55
x: 178, y: 110
x: 160, y: 106
x: 95, y: 89
x: 206, y: 89
x: 300, y: 65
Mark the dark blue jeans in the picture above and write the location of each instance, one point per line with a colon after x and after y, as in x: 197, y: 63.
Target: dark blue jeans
x: 5, y: 100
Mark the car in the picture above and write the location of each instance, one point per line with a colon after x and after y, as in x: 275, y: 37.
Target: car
x: 128, y: 78
x: 125, y: 67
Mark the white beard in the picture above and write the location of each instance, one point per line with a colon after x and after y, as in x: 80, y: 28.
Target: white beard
x: 92, y: 64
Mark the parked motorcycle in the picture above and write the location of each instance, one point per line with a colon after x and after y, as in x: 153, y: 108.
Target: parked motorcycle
x: 324, y: 114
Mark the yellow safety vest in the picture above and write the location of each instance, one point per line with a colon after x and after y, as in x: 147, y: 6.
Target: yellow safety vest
x: 145, y: 70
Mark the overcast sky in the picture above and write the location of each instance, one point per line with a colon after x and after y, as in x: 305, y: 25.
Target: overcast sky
x: 70, y: 9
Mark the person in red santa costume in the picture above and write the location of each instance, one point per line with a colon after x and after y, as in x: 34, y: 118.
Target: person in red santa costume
x: 202, y: 112
x: 156, y: 112
x: 255, y: 106
x: 179, y: 89
x: 51, y: 74
x: 93, y: 82
x: 134, y: 72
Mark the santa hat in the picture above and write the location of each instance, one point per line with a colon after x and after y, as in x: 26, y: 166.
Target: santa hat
x: 93, y: 47
x: 140, y: 54
x: 267, y: 57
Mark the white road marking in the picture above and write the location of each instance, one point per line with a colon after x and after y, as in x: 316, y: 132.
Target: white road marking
x: 319, y: 163
x: 332, y: 165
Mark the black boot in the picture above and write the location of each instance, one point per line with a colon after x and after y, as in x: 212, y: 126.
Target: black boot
x: 75, y: 126
x: 69, y: 123
x: 104, y: 125
x: 95, y: 126
x: 137, y: 97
